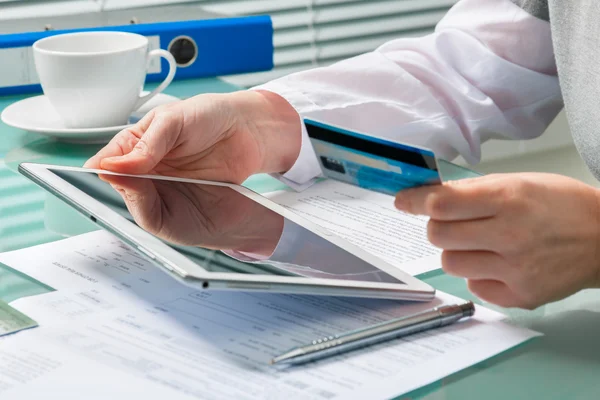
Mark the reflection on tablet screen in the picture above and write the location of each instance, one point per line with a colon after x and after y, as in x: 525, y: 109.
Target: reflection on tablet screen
x: 221, y: 229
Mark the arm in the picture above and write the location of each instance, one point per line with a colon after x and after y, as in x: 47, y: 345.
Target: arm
x: 472, y: 80
x: 488, y: 72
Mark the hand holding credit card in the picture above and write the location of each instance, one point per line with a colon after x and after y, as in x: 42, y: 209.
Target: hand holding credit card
x: 369, y: 162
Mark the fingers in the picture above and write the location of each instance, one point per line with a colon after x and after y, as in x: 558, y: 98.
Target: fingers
x: 476, y: 265
x: 494, y: 292
x: 463, y: 235
x: 142, y: 200
x: 119, y: 145
x: 137, y: 150
x: 474, y: 199
x: 156, y: 140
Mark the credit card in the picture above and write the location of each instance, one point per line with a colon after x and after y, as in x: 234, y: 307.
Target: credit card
x: 12, y: 320
x: 369, y: 162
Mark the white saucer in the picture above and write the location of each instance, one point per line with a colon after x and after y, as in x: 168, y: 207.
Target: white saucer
x: 36, y: 114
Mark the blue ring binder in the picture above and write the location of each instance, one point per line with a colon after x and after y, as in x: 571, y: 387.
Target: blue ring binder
x: 224, y: 46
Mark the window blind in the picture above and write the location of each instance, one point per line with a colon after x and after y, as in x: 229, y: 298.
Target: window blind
x: 307, y: 33
x: 16, y: 9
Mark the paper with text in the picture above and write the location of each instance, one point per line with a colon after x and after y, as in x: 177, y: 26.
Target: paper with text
x: 368, y: 220
x: 115, y: 312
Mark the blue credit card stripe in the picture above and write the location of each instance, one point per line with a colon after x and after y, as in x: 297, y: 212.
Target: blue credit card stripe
x: 374, y: 146
x: 369, y: 137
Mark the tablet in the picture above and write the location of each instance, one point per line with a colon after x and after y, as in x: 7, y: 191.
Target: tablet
x: 222, y: 236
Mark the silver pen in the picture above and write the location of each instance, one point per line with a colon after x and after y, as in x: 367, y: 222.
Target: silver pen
x: 388, y: 330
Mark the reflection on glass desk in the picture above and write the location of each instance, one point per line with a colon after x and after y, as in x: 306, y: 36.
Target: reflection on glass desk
x: 563, y: 364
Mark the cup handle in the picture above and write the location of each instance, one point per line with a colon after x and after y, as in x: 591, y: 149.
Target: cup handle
x: 172, y: 69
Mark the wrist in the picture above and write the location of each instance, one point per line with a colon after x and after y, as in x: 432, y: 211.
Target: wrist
x: 279, y: 132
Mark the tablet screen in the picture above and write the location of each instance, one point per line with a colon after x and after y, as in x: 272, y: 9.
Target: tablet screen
x: 221, y: 229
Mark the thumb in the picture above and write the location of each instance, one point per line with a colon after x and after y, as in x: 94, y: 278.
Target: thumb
x: 163, y: 130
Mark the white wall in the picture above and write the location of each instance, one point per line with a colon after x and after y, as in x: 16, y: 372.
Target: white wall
x: 557, y: 136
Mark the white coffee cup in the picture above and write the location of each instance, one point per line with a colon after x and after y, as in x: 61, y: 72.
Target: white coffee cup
x: 95, y: 79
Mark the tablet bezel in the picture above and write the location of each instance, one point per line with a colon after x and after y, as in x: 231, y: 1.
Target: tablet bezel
x: 191, y: 273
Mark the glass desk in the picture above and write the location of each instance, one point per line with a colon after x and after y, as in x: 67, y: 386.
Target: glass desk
x: 565, y: 363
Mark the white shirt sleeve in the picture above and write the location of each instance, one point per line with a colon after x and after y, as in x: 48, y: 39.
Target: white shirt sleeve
x: 488, y: 71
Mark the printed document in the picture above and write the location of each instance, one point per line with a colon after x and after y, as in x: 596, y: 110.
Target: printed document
x: 368, y: 220
x: 118, y: 327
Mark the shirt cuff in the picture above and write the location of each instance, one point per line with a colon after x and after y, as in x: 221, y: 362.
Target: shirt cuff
x: 306, y: 170
x: 282, y: 251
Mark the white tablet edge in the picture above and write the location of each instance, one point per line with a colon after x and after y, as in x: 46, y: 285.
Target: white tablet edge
x: 411, y: 288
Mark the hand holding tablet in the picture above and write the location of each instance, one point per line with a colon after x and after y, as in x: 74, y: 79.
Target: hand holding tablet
x: 184, y: 226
